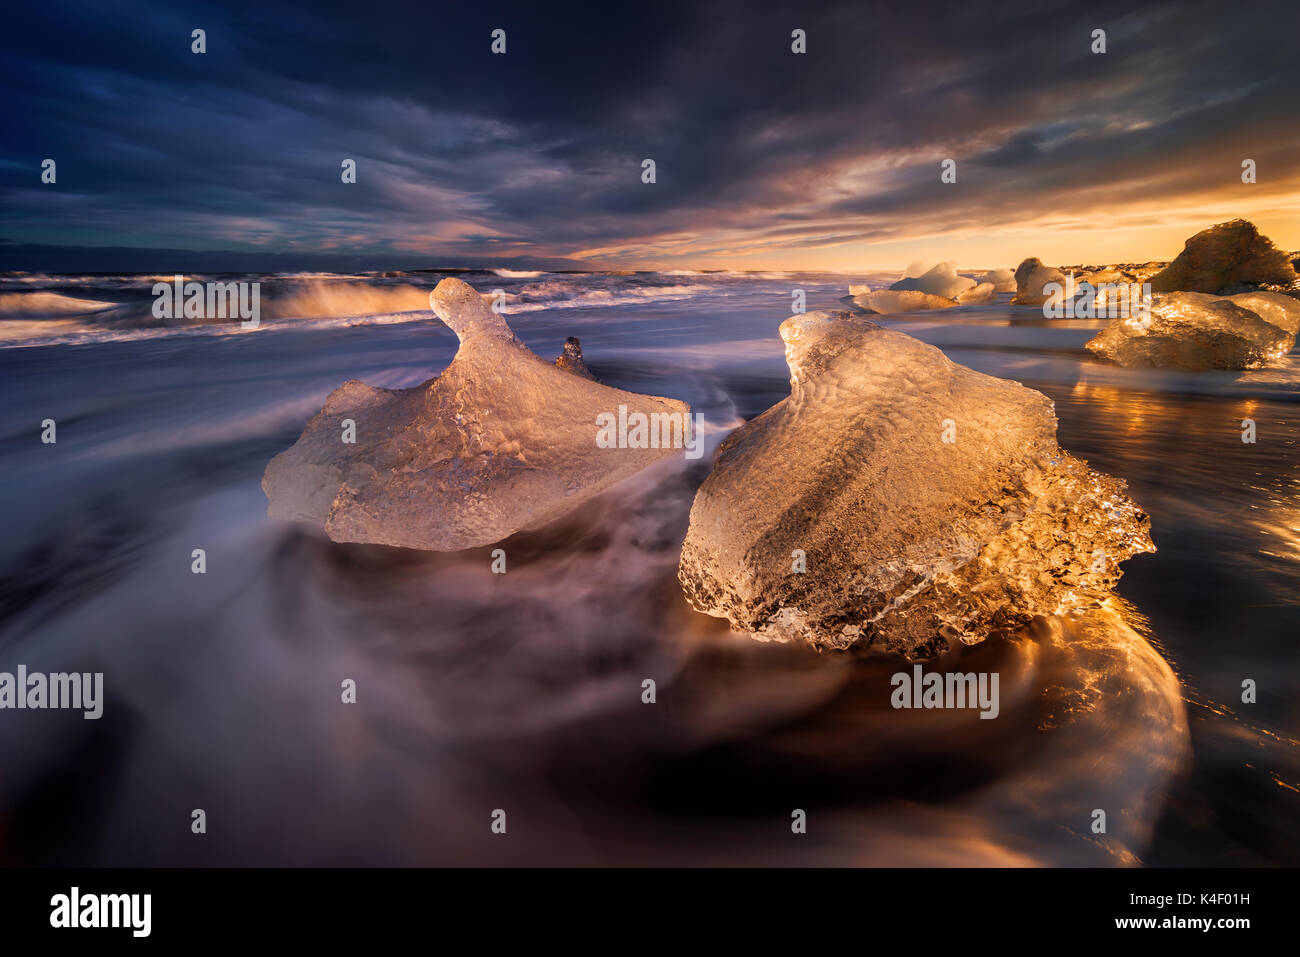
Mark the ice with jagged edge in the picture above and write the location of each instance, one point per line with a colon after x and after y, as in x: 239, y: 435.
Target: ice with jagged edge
x: 501, y: 441
x: 1195, y: 331
x: 909, y: 542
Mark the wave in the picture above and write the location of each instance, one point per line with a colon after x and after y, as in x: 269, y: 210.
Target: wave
x: 23, y: 305
x: 338, y: 300
x: 57, y: 280
x: 315, y: 275
x: 450, y: 667
x: 319, y: 300
x: 570, y: 294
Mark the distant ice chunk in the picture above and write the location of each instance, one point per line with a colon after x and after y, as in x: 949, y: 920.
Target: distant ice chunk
x: 1106, y: 275
x: 1003, y: 280
x: 942, y: 280
x: 1195, y: 331
x: 888, y: 301
x: 1031, y: 278
x: 979, y: 293
x: 501, y: 441
x: 900, y: 501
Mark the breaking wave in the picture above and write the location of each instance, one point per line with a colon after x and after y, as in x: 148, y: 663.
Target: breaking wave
x: 26, y: 305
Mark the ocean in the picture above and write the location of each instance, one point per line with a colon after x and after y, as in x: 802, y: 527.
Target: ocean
x: 522, y: 692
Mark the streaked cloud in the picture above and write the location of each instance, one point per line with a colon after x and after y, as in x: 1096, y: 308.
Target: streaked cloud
x: 765, y: 158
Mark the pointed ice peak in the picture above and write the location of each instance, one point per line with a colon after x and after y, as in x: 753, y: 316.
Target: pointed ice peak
x: 812, y: 339
x: 931, y: 501
x: 500, y: 441
x: 941, y: 280
x: 467, y: 314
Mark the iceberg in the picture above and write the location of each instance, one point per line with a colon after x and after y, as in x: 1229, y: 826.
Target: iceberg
x: 501, y: 441
x: 1195, y: 331
x: 901, y: 502
x: 942, y: 280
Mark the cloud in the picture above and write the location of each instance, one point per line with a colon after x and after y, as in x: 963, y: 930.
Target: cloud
x: 759, y: 152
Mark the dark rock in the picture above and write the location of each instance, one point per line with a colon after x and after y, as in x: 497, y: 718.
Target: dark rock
x: 1223, y: 257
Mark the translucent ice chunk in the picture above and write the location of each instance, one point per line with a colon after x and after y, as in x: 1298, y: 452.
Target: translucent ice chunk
x: 1003, y: 280
x: 1195, y: 331
x: 942, y: 280
x: 1273, y: 307
x: 901, y: 501
x: 887, y: 301
x: 980, y: 293
x: 501, y: 441
x: 1032, y: 276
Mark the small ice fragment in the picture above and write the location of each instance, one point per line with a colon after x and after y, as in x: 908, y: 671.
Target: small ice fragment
x: 570, y: 360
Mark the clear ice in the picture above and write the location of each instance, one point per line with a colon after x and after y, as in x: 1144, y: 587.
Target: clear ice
x: 942, y: 280
x: 925, y: 502
x: 888, y: 301
x: 1031, y: 276
x: 981, y: 292
x: 1195, y: 331
x: 1003, y: 280
x: 501, y: 441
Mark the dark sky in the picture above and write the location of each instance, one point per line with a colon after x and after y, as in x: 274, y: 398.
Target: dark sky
x: 764, y: 158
